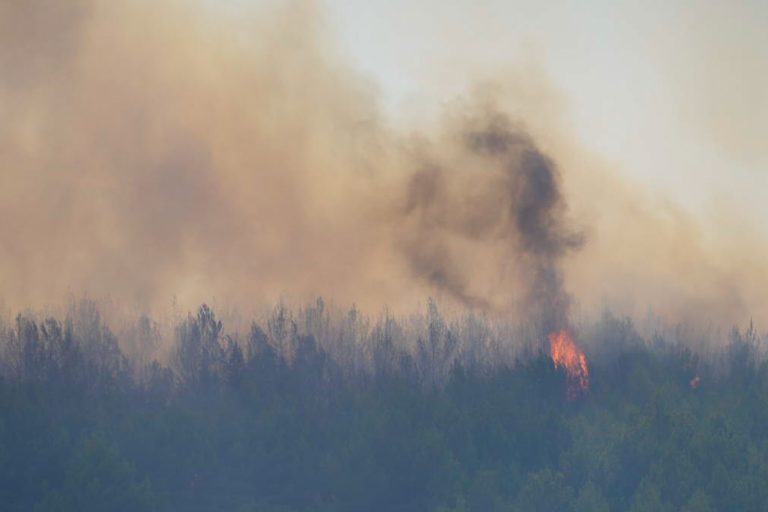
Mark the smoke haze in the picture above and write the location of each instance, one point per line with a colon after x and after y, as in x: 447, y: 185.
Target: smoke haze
x: 497, y: 191
x: 152, y: 150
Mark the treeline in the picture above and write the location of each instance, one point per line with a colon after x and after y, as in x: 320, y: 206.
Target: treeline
x: 311, y: 411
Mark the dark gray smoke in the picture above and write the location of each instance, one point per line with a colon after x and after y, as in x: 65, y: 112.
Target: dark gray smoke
x: 507, y: 191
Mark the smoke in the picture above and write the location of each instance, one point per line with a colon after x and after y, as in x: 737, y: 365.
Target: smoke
x: 507, y: 193
x: 152, y: 150
x: 160, y: 150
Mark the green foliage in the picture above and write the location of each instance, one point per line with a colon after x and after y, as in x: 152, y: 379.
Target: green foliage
x: 283, y: 420
x: 98, y: 478
x: 544, y: 491
x: 648, y: 499
x: 590, y: 499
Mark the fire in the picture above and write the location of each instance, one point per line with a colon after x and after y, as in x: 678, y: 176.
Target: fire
x: 567, y: 355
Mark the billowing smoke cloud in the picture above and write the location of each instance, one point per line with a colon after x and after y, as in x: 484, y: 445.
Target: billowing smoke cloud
x: 151, y: 150
x: 157, y: 149
x: 510, y: 194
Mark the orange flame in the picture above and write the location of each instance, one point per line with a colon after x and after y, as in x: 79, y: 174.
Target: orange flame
x: 565, y: 354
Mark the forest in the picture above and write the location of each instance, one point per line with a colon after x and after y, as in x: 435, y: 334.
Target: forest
x: 311, y: 410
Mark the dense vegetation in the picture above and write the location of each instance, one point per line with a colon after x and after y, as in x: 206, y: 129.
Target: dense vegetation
x: 308, y: 413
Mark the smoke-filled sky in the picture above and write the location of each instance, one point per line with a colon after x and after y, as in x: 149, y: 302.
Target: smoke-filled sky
x: 505, y: 156
x: 666, y: 90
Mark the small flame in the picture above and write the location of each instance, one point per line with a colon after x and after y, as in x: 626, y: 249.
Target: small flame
x: 565, y: 354
x: 695, y: 382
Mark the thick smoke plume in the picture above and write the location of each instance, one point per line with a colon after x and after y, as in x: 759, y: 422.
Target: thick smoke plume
x: 160, y: 150
x: 509, y: 194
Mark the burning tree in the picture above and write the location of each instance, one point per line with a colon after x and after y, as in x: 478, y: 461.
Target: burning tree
x: 566, y: 355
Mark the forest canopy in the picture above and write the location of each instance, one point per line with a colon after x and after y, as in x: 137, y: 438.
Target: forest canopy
x: 323, y: 411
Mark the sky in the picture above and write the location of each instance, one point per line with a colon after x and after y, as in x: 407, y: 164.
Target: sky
x: 673, y: 94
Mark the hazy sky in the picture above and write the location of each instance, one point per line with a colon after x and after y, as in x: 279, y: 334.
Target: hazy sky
x: 675, y: 94
x: 380, y: 152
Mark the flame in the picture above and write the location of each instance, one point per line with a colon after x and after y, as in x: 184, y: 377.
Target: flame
x: 695, y: 382
x: 565, y: 354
